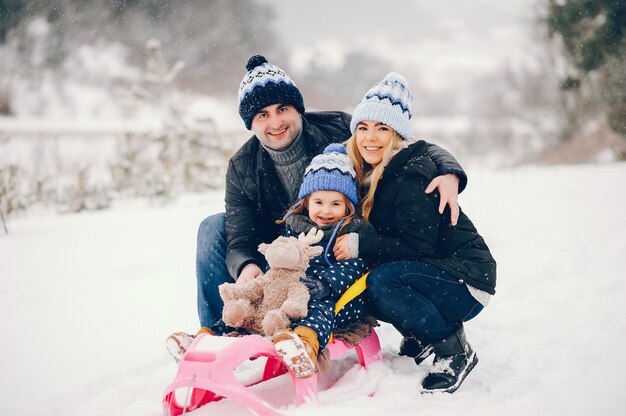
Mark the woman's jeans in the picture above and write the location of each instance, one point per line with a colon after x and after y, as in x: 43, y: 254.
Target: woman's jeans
x: 420, y: 300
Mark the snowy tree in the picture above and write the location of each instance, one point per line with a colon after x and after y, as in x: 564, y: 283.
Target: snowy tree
x: 212, y: 36
x: 179, y: 156
x: 593, y: 34
x: 11, y: 13
x: 11, y: 199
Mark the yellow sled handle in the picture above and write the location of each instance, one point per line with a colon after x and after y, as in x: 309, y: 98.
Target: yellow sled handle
x: 353, y: 291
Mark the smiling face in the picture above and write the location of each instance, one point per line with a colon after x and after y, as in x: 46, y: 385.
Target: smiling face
x: 327, y: 207
x: 277, y: 125
x: 372, y: 139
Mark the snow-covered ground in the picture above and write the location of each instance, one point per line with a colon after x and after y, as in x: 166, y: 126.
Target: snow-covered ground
x: 86, y: 301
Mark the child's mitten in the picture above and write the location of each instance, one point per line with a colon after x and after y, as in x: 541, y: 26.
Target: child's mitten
x: 317, y: 288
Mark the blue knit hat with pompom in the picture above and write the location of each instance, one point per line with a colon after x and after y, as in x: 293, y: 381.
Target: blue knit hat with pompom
x: 331, y: 171
x: 266, y: 84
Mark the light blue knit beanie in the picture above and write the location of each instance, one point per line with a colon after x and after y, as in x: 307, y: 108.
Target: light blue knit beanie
x: 330, y: 171
x: 389, y: 102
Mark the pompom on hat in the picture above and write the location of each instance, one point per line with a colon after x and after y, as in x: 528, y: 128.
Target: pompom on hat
x: 389, y: 102
x: 330, y: 171
x: 266, y: 84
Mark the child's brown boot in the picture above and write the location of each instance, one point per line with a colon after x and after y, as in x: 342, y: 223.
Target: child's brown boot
x: 298, y: 349
x: 178, y: 343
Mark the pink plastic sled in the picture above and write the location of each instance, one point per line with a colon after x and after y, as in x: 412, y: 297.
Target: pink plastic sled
x: 207, y: 372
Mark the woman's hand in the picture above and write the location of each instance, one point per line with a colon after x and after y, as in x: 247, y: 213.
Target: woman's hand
x: 341, y: 249
x: 448, y: 187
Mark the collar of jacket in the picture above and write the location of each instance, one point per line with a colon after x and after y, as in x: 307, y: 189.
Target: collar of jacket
x: 404, y: 159
x: 310, y: 144
x: 267, y: 175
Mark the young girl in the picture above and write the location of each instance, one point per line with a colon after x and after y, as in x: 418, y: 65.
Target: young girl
x: 432, y: 277
x: 327, y: 201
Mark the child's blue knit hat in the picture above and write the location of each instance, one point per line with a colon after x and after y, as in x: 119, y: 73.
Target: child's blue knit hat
x: 389, y: 102
x: 266, y: 84
x: 330, y: 171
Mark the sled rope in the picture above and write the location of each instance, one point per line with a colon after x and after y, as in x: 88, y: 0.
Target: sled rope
x: 187, y: 395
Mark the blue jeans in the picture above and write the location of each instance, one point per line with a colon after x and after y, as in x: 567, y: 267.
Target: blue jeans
x: 420, y: 300
x: 211, y: 268
x: 211, y: 271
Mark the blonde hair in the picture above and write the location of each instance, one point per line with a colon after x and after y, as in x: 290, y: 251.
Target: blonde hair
x: 364, y: 172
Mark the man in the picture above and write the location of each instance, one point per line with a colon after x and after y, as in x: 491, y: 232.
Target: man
x: 263, y: 179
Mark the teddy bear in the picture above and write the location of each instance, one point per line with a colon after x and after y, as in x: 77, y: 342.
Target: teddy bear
x: 267, y: 304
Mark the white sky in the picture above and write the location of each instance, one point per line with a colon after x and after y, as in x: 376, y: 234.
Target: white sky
x: 438, y: 40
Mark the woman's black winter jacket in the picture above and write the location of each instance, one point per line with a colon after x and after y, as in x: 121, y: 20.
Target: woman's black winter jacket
x: 409, y: 227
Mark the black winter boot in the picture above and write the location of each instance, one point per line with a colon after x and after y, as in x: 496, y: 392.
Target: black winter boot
x: 416, y: 349
x: 454, y: 359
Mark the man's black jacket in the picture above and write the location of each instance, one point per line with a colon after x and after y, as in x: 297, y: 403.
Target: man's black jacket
x: 255, y: 197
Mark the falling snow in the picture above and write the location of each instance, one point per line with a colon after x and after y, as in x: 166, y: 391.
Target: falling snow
x: 87, y: 300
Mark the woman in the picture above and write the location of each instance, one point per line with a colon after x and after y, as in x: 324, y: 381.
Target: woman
x: 431, y: 277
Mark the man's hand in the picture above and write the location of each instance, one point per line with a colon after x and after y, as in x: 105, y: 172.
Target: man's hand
x: 341, y: 249
x: 448, y: 186
x: 249, y: 272
x: 317, y: 289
